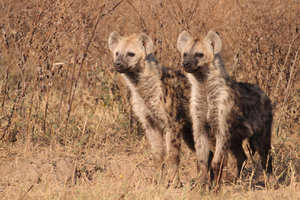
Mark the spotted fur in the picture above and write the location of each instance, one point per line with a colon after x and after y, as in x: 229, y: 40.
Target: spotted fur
x: 160, y: 97
x: 228, y: 110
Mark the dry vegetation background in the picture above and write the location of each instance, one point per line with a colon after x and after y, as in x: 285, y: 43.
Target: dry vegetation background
x: 66, y: 126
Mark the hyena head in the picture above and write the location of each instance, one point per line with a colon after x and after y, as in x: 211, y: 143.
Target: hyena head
x: 198, y: 53
x: 130, y: 51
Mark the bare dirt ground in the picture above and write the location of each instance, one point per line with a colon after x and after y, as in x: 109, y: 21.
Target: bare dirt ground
x: 37, y: 172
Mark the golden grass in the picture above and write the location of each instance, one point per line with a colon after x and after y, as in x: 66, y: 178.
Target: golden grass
x: 66, y: 126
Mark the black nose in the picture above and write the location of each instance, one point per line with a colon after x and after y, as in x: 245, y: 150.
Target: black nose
x: 117, y: 64
x: 186, y: 64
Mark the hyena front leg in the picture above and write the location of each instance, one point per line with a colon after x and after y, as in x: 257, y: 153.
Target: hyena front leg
x: 173, y: 143
x: 220, y: 156
x: 155, y: 138
x: 202, y: 147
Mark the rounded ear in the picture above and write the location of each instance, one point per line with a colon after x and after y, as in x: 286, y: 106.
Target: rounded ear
x: 183, y: 40
x: 147, y: 43
x: 214, y: 40
x: 114, y: 40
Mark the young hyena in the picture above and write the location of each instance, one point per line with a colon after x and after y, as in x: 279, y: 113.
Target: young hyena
x: 160, y: 97
x: 229, y: 110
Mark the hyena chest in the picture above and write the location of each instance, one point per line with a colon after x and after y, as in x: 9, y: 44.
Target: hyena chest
x: 209, y: 110
x: 148, y: 111
x: 213, y: 106
x: 218, y: 108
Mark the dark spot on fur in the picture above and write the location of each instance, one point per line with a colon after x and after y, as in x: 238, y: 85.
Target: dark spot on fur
x: 165, y: 99
x: 166, y: 91
x: 200, y: 162
x: 174, y: 141
x: 197, y: 39
x: 150, y: 120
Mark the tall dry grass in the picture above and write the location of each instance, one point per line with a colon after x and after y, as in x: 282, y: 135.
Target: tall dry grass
x: 59, y: 94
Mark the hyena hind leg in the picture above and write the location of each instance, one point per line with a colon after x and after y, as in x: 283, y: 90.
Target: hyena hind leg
x: 239, y: 157
x: 263, y: 146
x: 173, y: 143
x: 266, y: 158
x: 187, y: 136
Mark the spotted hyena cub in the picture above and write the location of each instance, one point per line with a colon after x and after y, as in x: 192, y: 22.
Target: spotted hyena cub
x: 160, y: 97
x: 230, y: 111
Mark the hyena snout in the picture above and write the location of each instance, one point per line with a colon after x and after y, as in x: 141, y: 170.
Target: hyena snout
x: 190, y: 67
x: 120, y: 66
x: 186, y: 64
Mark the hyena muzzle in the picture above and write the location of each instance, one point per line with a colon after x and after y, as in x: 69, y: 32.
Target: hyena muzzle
x: 159, y: 96
x: 230, y: 111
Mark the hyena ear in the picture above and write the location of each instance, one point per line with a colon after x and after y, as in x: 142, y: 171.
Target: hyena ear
x: 214, y: 40
x: 183, y: 40
x: 114, y: 40
x: 147, y: 43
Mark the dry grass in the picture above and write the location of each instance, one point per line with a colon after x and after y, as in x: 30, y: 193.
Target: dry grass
x: 66, y: 126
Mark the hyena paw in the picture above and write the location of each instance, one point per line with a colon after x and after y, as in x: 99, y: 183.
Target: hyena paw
x: 200, y: 182
x: 229, y: 179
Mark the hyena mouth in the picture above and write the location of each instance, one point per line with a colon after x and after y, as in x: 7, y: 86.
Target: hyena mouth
x: 122, y: 70
x: 191, y: 69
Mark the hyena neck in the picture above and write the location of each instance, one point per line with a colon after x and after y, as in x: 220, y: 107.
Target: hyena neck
x: 146, y: 81
x: 213, y: 75
x: 132, y: 78
x: 150, y: 79
x: 211, y: 71
x: 199, y: 77
x: 218, y: 68
x: 147, y: 68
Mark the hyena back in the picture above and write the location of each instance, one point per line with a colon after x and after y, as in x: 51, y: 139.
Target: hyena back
x: 160, y: 97
x: 231, y: 111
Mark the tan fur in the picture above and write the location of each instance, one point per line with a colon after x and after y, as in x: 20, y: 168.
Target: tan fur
x: 219, y: 106
x: 159, y: 97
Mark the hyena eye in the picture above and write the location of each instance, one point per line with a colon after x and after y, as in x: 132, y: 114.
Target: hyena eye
x: 185, y: 54
x: 131, y: 54
x: 117, y: 53
x: 200, y: 55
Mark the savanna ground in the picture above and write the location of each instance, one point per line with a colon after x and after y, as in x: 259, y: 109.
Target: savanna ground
x: 67, y: 130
